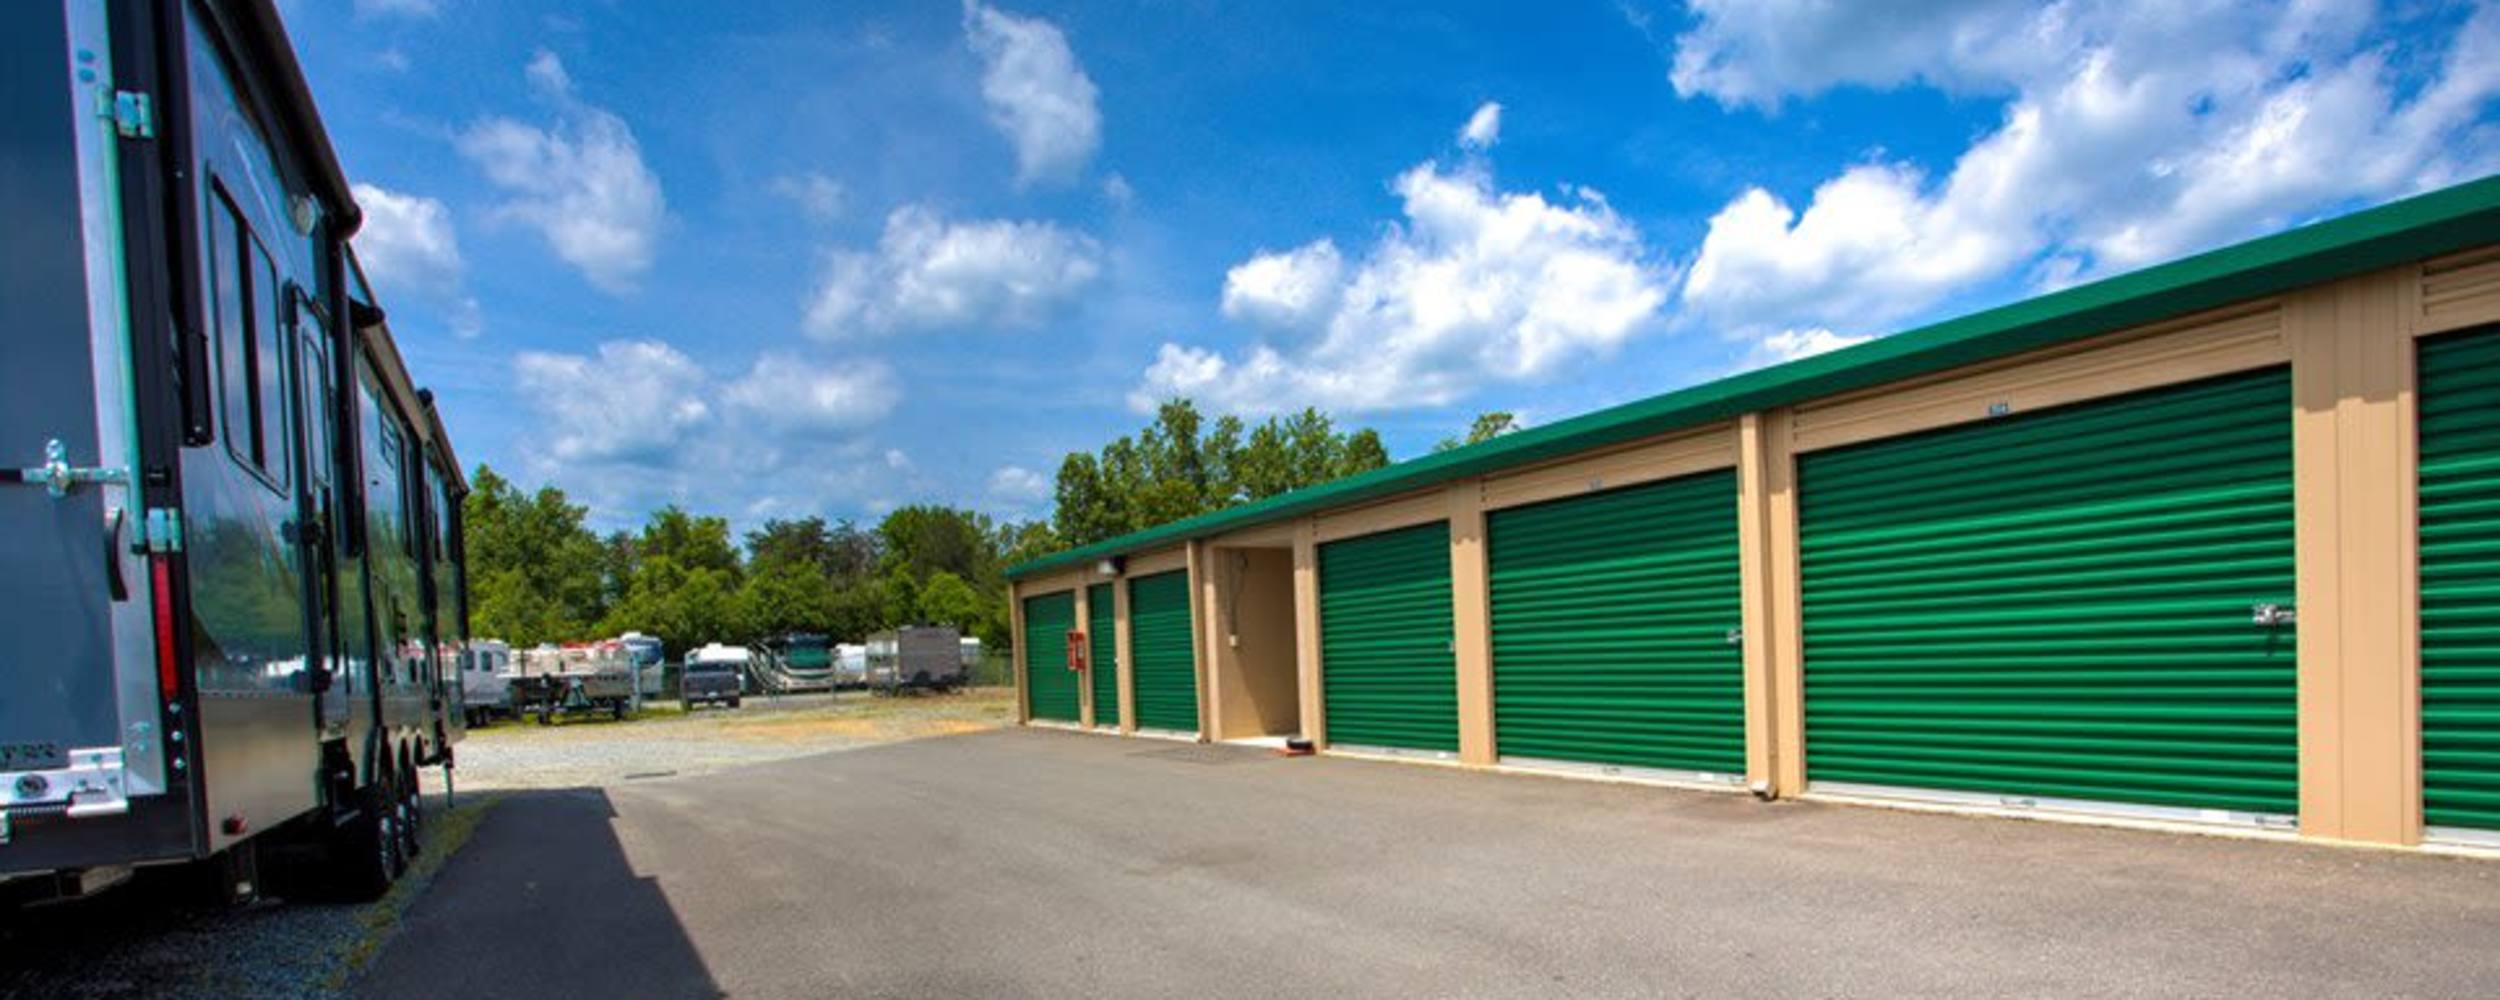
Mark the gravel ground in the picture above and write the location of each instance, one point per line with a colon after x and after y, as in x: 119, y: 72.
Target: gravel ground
x: 667, y: 741
x: 159, y: 937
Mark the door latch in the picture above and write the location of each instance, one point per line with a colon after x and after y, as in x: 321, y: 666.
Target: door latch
x: 2271, y: 615
x: 57, y: 476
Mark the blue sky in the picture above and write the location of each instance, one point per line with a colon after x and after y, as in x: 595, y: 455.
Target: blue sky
x: 787, y: 257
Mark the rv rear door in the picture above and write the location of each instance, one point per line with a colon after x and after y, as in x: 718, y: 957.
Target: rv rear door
x: 78, y: 684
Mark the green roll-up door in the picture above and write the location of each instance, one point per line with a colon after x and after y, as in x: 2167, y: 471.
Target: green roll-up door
x: 1049, y: 686
x: 1387, y: 668
x: 2060, y: 604
x: 2460, y: 517
x: 1163, y: 646
x: 1101, y: 643
x: 1612, y: 616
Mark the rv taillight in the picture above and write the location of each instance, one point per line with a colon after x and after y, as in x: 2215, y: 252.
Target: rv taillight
x: 161, y: 593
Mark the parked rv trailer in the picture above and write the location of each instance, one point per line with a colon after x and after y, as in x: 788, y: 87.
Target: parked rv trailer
x: 485, y: 684
x: 916, y: 657
x: 229, y: 522
x: 650, y: 662
x: 850, y: 665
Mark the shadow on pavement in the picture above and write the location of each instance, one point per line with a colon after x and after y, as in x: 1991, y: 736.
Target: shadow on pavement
x: 543, y: 902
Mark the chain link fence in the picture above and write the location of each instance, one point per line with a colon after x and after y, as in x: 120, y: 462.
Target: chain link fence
x: 995, y: 668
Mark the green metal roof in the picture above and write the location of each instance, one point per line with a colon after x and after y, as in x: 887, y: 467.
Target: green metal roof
x: 2424, y: 226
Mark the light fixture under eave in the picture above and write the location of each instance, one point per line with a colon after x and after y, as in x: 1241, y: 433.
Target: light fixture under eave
x: 1110, y: 565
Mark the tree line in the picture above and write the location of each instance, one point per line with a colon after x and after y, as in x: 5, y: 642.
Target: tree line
x: 538, y: 573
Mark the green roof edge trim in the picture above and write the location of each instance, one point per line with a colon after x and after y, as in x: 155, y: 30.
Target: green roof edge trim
x: 2417, y: 228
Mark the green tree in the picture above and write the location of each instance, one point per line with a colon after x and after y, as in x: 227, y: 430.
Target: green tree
x: 1363, y: 452
x: 1486, y: 427
x: 947, y: 600
x: 801, y: 542
x: 782, y: 597
x: 1169, y: 470
x: 923, y: 539
x: 619, y: 554
x: 534, y: 569
x: 691, y: 541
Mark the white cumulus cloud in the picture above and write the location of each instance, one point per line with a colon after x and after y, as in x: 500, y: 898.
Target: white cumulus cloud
x: 1018, y: 485
x: 1789, y: 345
x: 788, y: 394
x: 1474, y: 285
x: 1038, y: 95
x: 1291, y: 289
x: 408, y: 246
x: 1484, y: 128
x: 928, y: 272
x: 580, y: 180
x: 2136, y: 131
x: 634, y: 424
x: 633, y: 401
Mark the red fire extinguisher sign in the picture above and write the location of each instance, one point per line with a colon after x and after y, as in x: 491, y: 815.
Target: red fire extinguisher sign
x: 1077, y: 647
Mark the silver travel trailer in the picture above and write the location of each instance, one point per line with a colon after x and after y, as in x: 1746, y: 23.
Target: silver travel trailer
x: 232, y: 609
x: 485, y: 681
x: 916, y: 657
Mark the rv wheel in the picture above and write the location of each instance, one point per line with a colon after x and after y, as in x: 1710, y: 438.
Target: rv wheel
x: 365, y: 853
x: 411, y: 816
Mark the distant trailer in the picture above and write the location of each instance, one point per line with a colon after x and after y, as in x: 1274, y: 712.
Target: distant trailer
x: 486, y: 681
x: 233, y: 614
x: 650, y: 663
x: 917, y: 657
x: 850, y: 665
x: 587, y: 679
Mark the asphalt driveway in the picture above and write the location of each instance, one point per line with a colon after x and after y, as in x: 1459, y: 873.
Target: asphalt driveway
x: 1049, y: 864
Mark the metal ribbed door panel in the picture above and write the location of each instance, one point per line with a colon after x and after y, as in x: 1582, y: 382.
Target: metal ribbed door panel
x: 2460, y: 483
x: 1050, y: 688
x: 1611, y: 619
x: 2059, y: 604
x: 1165, y: 652
x: 1101, y: 652
x: 1386, y: 665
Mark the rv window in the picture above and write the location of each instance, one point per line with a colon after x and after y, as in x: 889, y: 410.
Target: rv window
x: 227, y: 311
x: 250, y: 353
x: 269, y: 367
x: 315, y: 363
x: 392, y: 461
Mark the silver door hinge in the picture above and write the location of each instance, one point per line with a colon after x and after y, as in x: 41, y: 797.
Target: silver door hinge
x: 164, y: 527
x: 134, y: 115
x: 2269, y: 615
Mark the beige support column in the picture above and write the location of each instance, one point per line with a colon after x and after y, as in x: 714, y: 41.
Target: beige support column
x: 1773, y: 605
x: 1306, y: 631
x: 1123, y: 659
x: 1015, y: 641
x: 2354, y: 462
x: 1764, y: 468
x: 1471, y: 621
x: 1085, y: 680
x: 1203, y: 637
